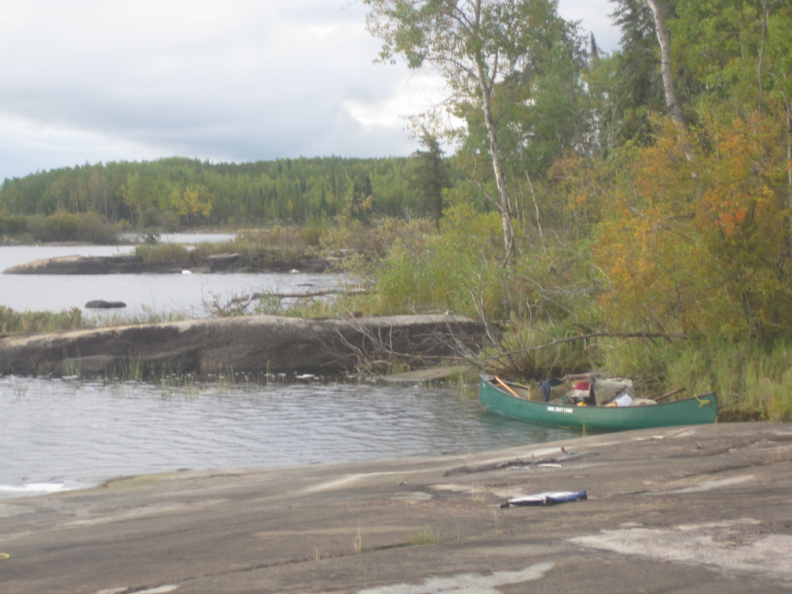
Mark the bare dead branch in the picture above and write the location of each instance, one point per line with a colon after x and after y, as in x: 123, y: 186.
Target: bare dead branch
x: 240, y: 304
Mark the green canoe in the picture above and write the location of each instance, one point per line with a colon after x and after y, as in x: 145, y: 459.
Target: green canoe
x: 511, y: 400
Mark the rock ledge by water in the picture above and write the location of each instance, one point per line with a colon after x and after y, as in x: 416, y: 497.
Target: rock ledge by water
x: 255, y: 344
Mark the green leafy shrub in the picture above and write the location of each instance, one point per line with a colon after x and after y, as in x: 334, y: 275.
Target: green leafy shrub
x: 458, y: 270
x: 13, y: 225
x: 89, y: 227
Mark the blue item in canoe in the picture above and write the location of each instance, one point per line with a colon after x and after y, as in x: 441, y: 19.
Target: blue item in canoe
x: 547, y: 386
x: 546, y: 498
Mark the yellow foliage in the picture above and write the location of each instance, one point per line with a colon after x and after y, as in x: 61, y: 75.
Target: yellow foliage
x: 192, y: 201
x: 695, y: 237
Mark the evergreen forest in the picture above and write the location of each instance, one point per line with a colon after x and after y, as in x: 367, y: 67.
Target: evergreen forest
x: 180, y: 192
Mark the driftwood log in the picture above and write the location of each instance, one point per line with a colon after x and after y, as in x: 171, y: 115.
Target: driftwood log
x: 242, y: 304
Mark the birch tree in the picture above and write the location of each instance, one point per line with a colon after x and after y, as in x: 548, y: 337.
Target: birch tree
x: 474, y: 45
x: 665, y: 63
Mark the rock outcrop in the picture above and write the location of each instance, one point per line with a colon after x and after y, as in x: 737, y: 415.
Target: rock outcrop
x: 102, y: 304
x: 256, y: 344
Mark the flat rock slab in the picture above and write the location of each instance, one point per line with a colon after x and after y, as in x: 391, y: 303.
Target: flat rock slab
x: 253, y: 344
x: 680, y: 509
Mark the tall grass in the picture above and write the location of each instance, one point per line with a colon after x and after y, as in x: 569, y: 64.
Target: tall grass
x: 751, y: 382
x: 16, y: 323
x: 165, y: 252
x: 424, y: 536
x: 754, y: 382
x: 147, y: 315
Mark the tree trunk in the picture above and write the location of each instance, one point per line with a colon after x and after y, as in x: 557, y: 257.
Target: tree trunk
x: 500, y: 177
x: 789, y: 153
x: 665, y: 63
x: 762, y: 51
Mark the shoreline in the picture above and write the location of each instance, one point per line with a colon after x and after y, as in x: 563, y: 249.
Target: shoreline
x: 676, y: 509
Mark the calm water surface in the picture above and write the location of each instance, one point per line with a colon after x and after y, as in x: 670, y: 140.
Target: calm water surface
x: 58, y: 434
x: 62, y: 434
x: 186, y: 294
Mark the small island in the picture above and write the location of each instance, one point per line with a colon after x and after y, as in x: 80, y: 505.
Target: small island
x: 135, y: 264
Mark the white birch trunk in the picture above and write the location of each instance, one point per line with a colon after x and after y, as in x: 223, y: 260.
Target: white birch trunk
x: 665, y: 63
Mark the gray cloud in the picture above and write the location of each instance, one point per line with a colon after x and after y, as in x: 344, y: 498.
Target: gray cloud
x: 98, y: 80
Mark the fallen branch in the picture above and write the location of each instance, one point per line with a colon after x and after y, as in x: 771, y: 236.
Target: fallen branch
x: 519, y: 463
x: 311, y: 294
x: 428, y: 345
x: 241, y: 303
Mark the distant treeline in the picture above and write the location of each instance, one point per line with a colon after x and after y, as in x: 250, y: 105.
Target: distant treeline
x: 178, y: 191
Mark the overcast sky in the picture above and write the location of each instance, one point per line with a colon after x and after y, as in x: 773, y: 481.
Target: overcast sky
x: 83, y: 81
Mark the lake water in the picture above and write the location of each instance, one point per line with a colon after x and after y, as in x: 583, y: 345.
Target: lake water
x: 58, y: 434
x: 65, y: 434
x: 186, y: 294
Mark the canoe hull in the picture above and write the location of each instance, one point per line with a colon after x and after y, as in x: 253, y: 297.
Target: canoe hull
x: 690, y: 411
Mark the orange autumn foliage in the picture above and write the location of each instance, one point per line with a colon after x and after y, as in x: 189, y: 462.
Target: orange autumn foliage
x: 695, y: 232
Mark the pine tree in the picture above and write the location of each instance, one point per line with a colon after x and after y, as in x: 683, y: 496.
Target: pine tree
x: 431, y: 177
